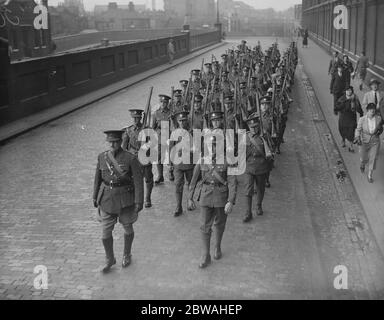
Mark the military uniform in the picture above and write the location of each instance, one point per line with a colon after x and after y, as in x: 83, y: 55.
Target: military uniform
x: 182, y: 171
x: 257, y: 168
x: 196, y: 82
x: 162, y: 114
x: 133, y: 145
x: 218, y: 188
x: 118, y: 194
x: 198, y: 115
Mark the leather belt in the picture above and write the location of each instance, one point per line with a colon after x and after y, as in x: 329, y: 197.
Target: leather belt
x: 116, y: 184
x: 211, y: 183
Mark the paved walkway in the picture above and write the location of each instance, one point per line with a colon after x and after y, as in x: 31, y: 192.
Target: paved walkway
x: 312, y: 222
x: 316, y: 62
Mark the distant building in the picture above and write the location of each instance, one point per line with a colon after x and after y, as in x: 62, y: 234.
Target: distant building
x: 197, y: 11
x: 117, y: 18
x: 298, y: 12
x: 103, y: 8
x: 67, y: 20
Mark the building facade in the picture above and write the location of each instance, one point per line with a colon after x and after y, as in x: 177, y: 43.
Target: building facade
x: 117, y: 18
x: 364, y: 32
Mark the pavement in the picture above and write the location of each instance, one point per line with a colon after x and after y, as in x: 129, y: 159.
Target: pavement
x: 312, y: 224
x: 25, y: 124
x: 316, y: 61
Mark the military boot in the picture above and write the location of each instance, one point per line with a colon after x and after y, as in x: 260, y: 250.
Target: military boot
x: 148, y: 202
x: 179, y: 207
x: 219, y: 236
x: 248, y: 215
x: 171, y: 175
x: 128, y: 239
x: 160, y: 177
x: 110, y: 257
x: 206, y: 258
x: 259, y: 210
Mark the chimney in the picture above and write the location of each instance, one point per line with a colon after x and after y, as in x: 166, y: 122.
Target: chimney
x: 153, y: 5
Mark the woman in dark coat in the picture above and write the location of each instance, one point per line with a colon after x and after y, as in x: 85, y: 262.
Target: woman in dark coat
x: 347, y: 106
x: 348, y: 69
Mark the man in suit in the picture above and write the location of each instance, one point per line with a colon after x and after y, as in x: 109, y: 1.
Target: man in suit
x: 367, y: 135
x: 374, y: 96
x: 118, y: 194
x: 338, y: 86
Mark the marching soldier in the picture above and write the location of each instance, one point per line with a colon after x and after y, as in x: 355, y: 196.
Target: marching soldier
x: 177, y: 105
x: 257, y: 166
x: 244, y: 105
x: 226, y: 84
x: 198, y: 113
x: 244, y: 75
x: 182, y: 171
x: 118, y: 194
x: 186, y: 93
x: 224, y: 62
x: 216, y: 197
x: 231, y: 113
x: 196, y: 81
x: 208, y: 75
x: 133, y: 145
x: 162, y: 114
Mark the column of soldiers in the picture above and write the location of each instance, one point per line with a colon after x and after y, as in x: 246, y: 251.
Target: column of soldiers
x: 248, y: 89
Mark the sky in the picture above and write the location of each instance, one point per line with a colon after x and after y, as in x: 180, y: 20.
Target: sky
x: 258, y: 4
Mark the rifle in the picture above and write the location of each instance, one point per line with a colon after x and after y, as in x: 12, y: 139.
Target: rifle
x: 225, y: 116
x: 274, y: 134
x: 171, y: 127
x: 205, y: 108
x: 236, y: 109
x: 201, y: 72
x: 147, y: 111
x: 260, y: 114
x: 192, y: 110
x: 186, y: 94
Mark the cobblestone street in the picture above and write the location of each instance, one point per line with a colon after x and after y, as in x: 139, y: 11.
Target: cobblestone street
x: 312, y: 221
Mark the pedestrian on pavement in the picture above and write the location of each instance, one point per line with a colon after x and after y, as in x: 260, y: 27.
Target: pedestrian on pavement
x: 367, y: 135
x: 171, y: 51
x: 216, y: 195
x: 338, y: 86
x: 348, y: 106
x: 305, y: 41
x: 348, y: 70
x: 334, y: 63
x: 118, y: 195
x: 375, y: 96
x: 257, y: 166
x: 361, y: 69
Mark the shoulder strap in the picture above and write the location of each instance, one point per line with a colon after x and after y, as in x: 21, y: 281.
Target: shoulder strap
x: 219, y: 177
x: 254, y: 143
x: 115, y: 164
